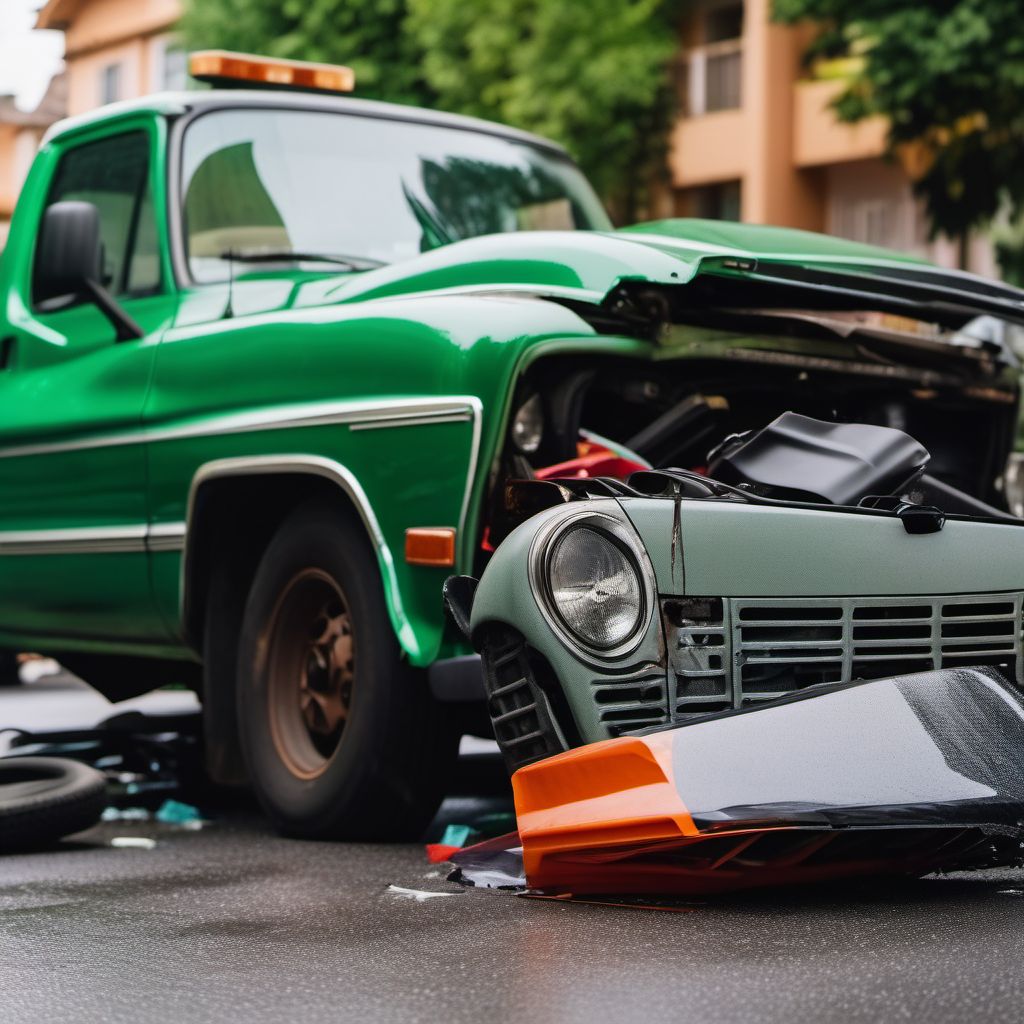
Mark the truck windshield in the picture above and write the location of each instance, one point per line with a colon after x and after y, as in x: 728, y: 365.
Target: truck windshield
x: 362, y: 189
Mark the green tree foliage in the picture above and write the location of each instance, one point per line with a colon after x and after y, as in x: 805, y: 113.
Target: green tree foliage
x: 367, y: 35
x: 591, y: 74
x: 949, y: 76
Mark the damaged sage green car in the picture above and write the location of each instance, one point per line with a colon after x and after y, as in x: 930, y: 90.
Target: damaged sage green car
x: 805, y: 554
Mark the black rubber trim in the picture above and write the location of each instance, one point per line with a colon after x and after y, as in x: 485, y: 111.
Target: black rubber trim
x: 519, y: 709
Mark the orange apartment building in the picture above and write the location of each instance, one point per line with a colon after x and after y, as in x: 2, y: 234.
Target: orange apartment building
x: 754, y: 140
x: 113, y: 50
x: 116, y: 49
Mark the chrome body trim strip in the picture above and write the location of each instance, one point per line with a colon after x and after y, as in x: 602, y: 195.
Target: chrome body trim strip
x: 353, y: 413
x: 166, y: 537
x: 471, y: 469
x: 94, y: 540
x: 410, y: 420
x: 89, y: 540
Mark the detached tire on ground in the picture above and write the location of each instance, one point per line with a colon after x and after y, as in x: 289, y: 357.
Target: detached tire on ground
x: 342, y: 739
x: 43, y: 799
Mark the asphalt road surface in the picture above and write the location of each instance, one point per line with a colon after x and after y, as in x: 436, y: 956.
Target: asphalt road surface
x: 232, y: 923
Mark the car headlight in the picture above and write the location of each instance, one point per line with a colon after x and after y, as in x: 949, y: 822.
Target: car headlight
x: 593, y: 585
x: 528, y: 426
x: 595, y: 588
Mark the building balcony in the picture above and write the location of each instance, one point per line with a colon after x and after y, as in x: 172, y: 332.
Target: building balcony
x: 708, y: 149
x: 819, y: 138
x: 706, y: 144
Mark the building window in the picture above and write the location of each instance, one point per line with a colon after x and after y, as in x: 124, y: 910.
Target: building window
x: 723, y: 22
x: 713, y: 69
x: 169, y: 64
x: 882, y: 221
x: 175, y: 75
x: 110, y: 84
x: 722, y: 80
x: 710, y: 202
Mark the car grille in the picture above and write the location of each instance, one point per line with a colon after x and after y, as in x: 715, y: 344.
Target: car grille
x: 734, y: 652
x: 631, y: 702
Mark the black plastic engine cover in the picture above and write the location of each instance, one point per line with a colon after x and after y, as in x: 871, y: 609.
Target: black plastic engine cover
x: 804, y: 459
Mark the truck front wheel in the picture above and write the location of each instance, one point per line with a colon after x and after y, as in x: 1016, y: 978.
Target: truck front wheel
x: 341, y: 738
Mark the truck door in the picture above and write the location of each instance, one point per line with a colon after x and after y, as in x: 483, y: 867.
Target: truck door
x: 73, y: 562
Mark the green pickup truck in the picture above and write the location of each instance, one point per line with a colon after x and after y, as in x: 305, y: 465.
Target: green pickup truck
x: 268, y: 359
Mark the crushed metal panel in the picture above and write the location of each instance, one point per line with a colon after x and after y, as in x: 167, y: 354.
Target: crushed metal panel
x: 908, y: 775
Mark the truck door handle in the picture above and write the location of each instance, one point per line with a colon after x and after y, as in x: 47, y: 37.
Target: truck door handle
x: 6, y: 351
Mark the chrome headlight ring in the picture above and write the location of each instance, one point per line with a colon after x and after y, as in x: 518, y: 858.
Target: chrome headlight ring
x: 1013, y: 483
x: 621, y: 547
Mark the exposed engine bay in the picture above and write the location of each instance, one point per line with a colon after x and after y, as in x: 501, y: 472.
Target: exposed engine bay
x: 674, y: 413
x: 731, y: 355
x: 583, y: 418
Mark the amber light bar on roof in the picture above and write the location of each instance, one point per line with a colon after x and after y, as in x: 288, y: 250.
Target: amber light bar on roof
x: 224, y: 68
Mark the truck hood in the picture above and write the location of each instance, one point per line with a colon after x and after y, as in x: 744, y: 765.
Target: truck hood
x: 791, y: 268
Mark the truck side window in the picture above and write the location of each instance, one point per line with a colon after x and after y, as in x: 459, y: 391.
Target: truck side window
x: 113, y: 175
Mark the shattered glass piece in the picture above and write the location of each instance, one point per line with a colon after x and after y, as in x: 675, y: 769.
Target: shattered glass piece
x: 493, y: 864
x: 418, y: 895
x: 125, y: 814
x: 456, y: 835
x: 174, y: 812
x: 133, y: 843
x: 906, y: 775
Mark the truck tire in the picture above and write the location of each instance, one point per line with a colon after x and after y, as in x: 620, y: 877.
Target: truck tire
x: 341, y: 738
x: 10, y: 670
x: 43, y: 799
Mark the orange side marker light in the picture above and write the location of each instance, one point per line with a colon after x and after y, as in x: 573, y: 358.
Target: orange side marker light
x: 430, y: 545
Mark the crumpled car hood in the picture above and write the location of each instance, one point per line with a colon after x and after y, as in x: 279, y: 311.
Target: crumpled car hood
x: 587, y: 266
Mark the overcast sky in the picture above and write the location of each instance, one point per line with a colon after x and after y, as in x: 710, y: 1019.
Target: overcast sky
x: 27, y: 58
